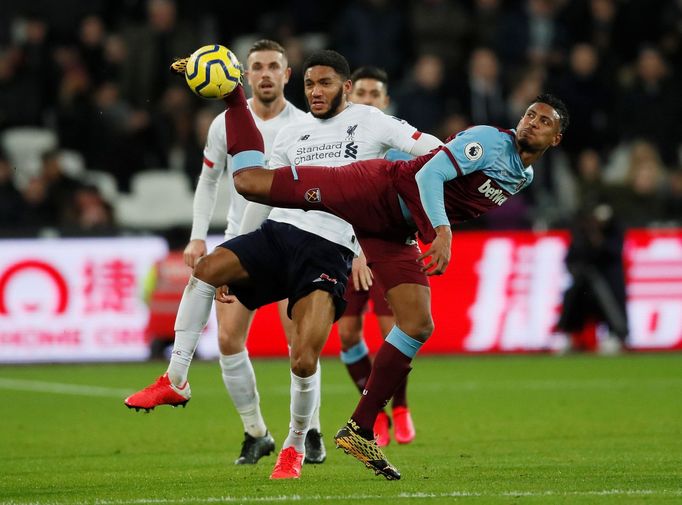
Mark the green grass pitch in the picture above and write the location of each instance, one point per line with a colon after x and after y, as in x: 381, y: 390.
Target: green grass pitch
x: 490, y: 429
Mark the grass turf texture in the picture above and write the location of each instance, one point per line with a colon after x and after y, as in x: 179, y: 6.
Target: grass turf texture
x: 490, y: 429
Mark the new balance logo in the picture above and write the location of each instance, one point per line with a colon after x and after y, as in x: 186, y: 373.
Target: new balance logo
x: 351, y: 150
x: 325, y: 277
x: 496, y: 195
x: 304, y: 137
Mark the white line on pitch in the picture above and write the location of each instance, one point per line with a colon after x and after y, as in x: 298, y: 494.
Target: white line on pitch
x: 359, y: 497
x: 61, y: 388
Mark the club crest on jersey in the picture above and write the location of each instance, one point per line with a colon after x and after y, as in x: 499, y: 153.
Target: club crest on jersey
x: 473, y: 151
x: 313, y: 195
x: 350, y: 132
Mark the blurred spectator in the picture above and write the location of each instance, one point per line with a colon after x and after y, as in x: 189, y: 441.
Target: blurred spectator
x: 670, y: 41
x: 36, y: 64
x: 89, y: 212
x: 597, y: 292
x: 552, y: 196
x: 60, y: 187
x: 72, y: 110
x: 532, y: 34
x: 650, y: 106
x: 588, y: 97
x: 372, y: 32
x: 441, y: 28
x: 155, y: 45
x: 529, y: 85
x: 596, y: 22
x: 163, y: 290
x: 590, y: 187
x: 485, y: 23
x: 422, y: 101
x: 11, y: 202
x: 295, y: 57
x: 38, y: 211
x: 482, y: 98
x: 640, y: 201
x: 91, y: 43
x: 121, y: 139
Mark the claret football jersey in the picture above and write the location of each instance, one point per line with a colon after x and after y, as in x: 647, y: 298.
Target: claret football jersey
x: 359, y: 132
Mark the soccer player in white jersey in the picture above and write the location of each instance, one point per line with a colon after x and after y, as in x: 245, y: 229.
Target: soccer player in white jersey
x: 370, y: 87
x: 267, y: 73
x: 302, y: 256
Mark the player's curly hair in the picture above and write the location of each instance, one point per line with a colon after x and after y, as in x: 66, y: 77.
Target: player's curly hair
x: 559, y: 106
x: 328, y: 58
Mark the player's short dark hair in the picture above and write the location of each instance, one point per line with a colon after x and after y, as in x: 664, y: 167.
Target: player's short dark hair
x: 267, y: 45
x: 328, y: 58
x: 559, y: 106
x: 370, y: 72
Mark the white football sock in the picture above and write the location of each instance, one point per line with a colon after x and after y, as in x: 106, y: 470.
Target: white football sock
x: 240, y: 381
x: 193, y: 313
x: 303, y: 397
x: 315, y: 419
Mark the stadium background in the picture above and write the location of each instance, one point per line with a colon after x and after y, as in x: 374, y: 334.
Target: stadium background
x: 99, y: 140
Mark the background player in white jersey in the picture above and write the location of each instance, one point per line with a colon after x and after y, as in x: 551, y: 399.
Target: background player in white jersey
x: 370, y: 87
x: 267, y: 72
x: 304, y: 256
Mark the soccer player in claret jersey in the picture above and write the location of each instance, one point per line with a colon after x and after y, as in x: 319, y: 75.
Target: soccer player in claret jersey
x: 370, y: 87
x: 478, y: 169
x: 302, y: 256
x: 267, y: 72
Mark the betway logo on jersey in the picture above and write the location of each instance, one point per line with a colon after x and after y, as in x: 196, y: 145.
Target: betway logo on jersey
x: 496, y: 195
x: 327, y: 151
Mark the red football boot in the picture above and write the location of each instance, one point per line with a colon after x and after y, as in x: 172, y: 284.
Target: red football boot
x: 162, y: 392
x: 288, y: 464
x: 403, y: 427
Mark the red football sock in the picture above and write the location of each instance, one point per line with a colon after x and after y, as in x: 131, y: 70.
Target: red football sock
x: 359, y: 372
x: 242, y: 133
x: 389, y: 370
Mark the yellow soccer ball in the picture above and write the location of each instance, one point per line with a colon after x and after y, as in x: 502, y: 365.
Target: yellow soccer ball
x: 213, y: 72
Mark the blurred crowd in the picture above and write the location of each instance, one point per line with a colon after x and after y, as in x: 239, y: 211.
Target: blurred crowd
x: 95, y: 74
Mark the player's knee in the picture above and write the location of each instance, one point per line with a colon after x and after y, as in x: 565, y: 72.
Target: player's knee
x: 230, y: 342
x: 204, y: 270
x: 304, y: 364
x: 349, y: 337
x: 419, y: 328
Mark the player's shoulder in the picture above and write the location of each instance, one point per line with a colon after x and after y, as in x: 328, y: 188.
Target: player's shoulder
x: 294, y: 112
x: 489, y: 136
x: 294, y: 126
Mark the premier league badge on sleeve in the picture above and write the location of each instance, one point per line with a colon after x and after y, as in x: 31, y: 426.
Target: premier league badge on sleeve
x: 473, y: 151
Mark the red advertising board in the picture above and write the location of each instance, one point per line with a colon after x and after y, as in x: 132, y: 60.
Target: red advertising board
x: 80, y: 299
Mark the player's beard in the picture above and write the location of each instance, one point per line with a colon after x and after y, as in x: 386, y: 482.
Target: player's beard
x: 333, y: 107
x: 265, y: 98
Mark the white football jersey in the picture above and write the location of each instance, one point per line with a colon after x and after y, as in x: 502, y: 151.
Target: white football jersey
x: 360, y: 132
x: 216, y: 160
